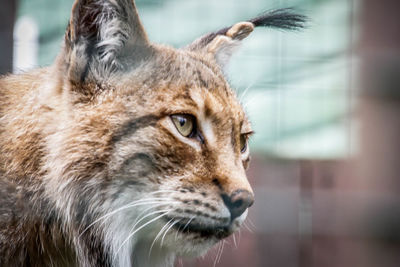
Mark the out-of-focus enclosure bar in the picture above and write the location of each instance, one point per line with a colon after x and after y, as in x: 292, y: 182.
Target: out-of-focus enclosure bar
x: 379, y: 159
x: 8, y: 11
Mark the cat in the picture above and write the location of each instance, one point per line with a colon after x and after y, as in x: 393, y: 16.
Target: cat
x: 124, y: 152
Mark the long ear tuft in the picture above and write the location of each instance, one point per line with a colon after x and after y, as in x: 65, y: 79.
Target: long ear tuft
x: 285, y: 19
x: 221, y: 44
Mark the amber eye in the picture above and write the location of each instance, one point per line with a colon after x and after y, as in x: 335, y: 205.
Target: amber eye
x: 243, y: 143
x: 185, y: 124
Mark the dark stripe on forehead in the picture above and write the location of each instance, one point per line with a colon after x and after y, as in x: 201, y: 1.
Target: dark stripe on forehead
x: 203, y: 82
x: 184, y: 100
x: 233, y: 137
x: 213, y: 69
x: 133, y: 125
x: 209, y: 76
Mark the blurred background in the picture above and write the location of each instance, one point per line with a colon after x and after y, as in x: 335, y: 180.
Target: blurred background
x: 324, y: 103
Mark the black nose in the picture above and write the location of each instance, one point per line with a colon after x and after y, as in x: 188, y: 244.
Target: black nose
x: 238, y: 202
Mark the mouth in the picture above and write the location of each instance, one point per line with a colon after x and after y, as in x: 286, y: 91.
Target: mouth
x: 202, y: 230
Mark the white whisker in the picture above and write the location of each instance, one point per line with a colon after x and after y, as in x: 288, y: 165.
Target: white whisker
x: 165, y: 212
x: 130, y: 205
x: 184, y: 227
x: 245, y: 92
x: 222, y: 251
x: 247, y: 227
x: 216, y: 256
x: 159, y: 234
x: 251, y: 223
x: 162, y: 239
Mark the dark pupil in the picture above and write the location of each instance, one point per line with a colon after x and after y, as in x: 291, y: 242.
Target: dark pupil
x: 182, y: 121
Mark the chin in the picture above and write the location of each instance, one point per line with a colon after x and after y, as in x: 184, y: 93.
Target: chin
x: 194, y: 240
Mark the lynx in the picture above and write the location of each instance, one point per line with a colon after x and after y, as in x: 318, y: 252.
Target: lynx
x: 124, y: 152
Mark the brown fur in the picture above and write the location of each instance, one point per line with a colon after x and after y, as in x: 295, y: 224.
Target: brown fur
x: 93, y: 134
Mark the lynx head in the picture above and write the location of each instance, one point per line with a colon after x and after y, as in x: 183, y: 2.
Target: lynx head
x: 154, y: 142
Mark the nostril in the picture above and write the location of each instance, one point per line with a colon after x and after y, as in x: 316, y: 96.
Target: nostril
x: 238, y: 202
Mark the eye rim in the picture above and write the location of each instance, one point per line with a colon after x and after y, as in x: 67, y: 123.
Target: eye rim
x: 243, y: 145
x: 187, y: 117
x: 246, y: 137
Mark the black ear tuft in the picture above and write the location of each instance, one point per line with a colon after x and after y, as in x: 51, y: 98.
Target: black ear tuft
x: 285, y: 18
x: 221, y: 43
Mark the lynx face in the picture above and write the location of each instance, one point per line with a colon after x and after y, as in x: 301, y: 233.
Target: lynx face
x: 171, y: 152
x: 124, y: 152
x: 185, y: 150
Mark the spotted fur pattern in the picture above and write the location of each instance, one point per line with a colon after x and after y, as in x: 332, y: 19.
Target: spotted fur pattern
x: 93, y: 171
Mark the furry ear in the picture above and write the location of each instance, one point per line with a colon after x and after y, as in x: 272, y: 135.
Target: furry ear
x: 102, y: 37
x: 221, y: 44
